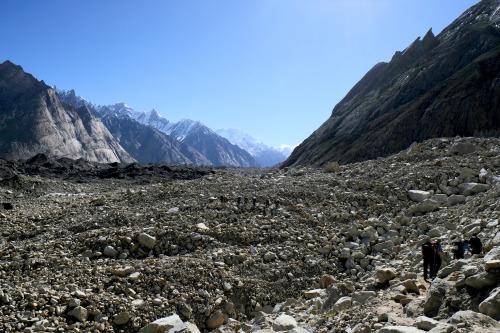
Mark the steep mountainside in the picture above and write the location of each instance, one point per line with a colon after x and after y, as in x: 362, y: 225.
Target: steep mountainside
x: 215, y: 148
x: 144, y: 142
x: 148, y: 145
x: 33, y: 120
x: 153, y: 119
x: 263, y: 154
x: 150, y: 138
x: 441, y: 86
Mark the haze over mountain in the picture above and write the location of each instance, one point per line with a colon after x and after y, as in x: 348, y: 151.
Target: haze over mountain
x: 33, y: 121
x: 266, y: 156
x: 440, y: 86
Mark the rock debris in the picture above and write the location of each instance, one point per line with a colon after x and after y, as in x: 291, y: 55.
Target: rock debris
x: 129, y: 248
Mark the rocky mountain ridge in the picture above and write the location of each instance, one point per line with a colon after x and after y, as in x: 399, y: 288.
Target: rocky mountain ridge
x: 148, y: 145
x: 216, y: 148
x: 33, y: 120
x: 132, y: 248
x: 440, y: 86
x: 145, y: 143
x: 196, y: 143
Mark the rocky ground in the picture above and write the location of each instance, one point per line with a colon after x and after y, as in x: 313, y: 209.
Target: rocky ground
x: 127, y: 248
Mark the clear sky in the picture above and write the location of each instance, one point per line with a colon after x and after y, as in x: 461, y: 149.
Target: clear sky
x: 272, y: 68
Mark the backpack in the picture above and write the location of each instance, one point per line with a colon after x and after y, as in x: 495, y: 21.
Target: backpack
x: 458, y: 249
x: 437, y: 248
x: 427, y: 250
x: 475, y: 243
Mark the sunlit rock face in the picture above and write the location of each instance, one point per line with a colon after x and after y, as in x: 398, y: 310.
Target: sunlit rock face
x: 33, y: 120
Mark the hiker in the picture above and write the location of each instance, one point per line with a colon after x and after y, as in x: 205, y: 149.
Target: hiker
x: 466, y: 246
x: 459, y: 249
x: 476, y: 247
x: 437, y: 256
x: 428, y: 256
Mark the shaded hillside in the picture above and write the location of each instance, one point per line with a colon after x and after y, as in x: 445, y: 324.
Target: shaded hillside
x: 440, y: 86
x: 218, y: 150
x: 33, y: 120
x: 149, y: 145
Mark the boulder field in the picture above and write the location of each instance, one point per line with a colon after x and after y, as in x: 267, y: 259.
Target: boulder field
x: 130, y: 248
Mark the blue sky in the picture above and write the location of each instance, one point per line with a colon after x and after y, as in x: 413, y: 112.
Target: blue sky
x: 272, y: 68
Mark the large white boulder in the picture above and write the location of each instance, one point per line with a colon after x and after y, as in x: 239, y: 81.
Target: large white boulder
x: 79, y: 313
x: 472, y: 188
x: 453, y: 267
x: 455, y: 199
x: 493, y: 180
x: 344, y: 303
x: 284, y: 322
x: 493, y: 254
x: 491, y: 305
x: 146, y: 240
x: 400, y: 329
x: 476, y: 322
x: 437, y: 292
x: 169, y: 324
x: 418, y: 195
x: 362, y: 296
x: 379, y: 247
x: 426, y: 206
x: 481, y: 280
x: 426, y: 323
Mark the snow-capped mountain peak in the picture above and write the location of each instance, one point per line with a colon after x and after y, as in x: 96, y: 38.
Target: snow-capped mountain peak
x: 242, y: 139
x: 153, y: 119
x: 215, y: 148
x: 265, y: 155
x: 119, y: 109
x: 184, y: 127
x: 285, y: 149
x: 71, y: 98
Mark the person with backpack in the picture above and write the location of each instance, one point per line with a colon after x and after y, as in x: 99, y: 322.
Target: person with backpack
x: 458, y: 249
x: 428, y: 256
x: 437, y: 257
x: 466, y: 246
x: 476, y: 247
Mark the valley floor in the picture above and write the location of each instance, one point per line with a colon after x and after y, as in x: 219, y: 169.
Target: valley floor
x: 113, y: 248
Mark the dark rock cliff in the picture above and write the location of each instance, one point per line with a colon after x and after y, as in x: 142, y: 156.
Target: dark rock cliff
x: 440, y: 86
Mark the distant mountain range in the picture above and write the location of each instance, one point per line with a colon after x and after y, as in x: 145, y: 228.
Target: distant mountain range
x: 36, y: 118
x: 265, y: 155
x: 440, y: 86
x: 150, y: 138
